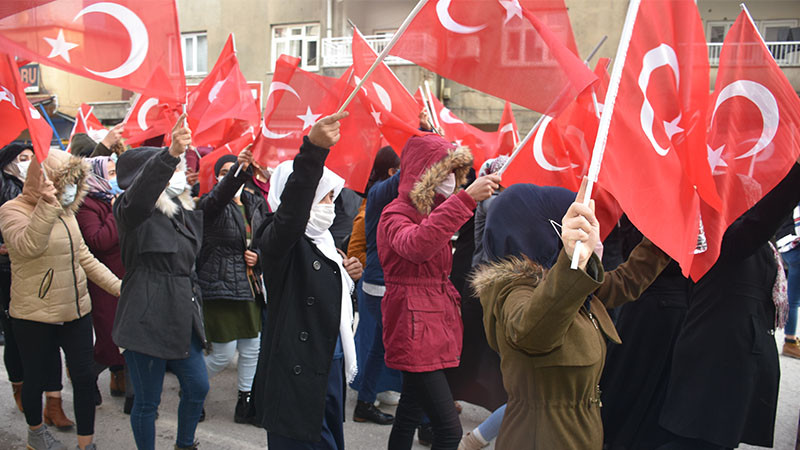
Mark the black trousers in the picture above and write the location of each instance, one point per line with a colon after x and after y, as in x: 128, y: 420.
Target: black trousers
x: 11, y: 358
x: 37, y: 342
x: 426, y: 393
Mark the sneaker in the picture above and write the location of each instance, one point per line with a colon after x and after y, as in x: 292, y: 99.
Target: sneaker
x: 471, y: 442
x: 41, y: 439
x: 389, y: 398
x: 791, y: 349
x: 367, y: 412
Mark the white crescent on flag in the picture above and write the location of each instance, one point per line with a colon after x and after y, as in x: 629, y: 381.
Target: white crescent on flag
x: 141, y: 118
x: 538, y: 149
x: 766, y: 104
x: 443, y: 12
x: 137, y: 32
x: 663, y: 55
x: 448, y: 117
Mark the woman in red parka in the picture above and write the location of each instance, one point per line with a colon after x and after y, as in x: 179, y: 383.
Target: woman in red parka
x: 421, y: 309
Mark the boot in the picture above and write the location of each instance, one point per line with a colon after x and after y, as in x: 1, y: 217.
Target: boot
x: 367, y: 412
x: 54, y: 415
x: 41, y: 439
x: 194, y: 446
x: 117, y: 385
x: 98, y: 398
x: 244, y: 408
x: 17, y: 387
x: 791, y: 348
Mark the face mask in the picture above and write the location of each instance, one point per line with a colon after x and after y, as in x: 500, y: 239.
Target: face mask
x: 177, y: 184
x: 448, y: 186
x: 68, y: 194
x: 322, y: 215
x: 23, y: 168
x: 115, y: 190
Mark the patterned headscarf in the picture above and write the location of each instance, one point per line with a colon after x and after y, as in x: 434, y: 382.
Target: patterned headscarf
x: 99, y: 186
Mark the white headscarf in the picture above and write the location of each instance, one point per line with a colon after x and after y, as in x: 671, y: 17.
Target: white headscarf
x: 324, y: 242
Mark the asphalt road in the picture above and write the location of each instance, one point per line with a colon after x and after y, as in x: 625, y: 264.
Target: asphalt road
x: 220, y: 432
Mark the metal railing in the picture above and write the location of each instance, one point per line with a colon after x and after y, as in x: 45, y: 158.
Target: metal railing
x: 786, y: 54
x: 336, y: 52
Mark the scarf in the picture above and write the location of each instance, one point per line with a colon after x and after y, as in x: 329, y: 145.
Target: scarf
x: 264, y: 186
x: 99, y: 188
x: 323, y: 240
x: 779, y: 295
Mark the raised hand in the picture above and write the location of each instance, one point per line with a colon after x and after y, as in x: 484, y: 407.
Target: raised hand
x: 181, y: 137
x: 114, y: 135
x: 325, y: 133
x: 580, y: 225
x: 484, y: 187
x: 245, y: 158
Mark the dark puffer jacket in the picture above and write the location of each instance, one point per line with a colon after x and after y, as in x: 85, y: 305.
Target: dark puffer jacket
x: 255, y: 205
x: 221, y: 267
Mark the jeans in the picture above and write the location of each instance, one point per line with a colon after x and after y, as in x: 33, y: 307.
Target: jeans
x: 38, y: 343
x: 426, y: 393
x: 490, y: 427
x: 332, y: 437
x: 792, y: 259
x: 222, y: 354
x: 147, y: 377
x: 374, y: 365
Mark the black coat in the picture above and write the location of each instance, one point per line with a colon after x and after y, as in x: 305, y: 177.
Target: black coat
x: 160, y: 305
x: 723, y: 387
x: 221, y: 268
x: 303, y: 311
x: 255, y: 205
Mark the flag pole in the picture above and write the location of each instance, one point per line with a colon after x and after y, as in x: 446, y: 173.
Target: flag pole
x: 608, y: 110
x: 427, y: 108
x: 530, y: 134
x: 50, y: 122
x: 384, y: 53
x: 434, y: 117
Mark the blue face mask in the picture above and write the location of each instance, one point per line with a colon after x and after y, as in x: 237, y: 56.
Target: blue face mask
x: 115, y: 190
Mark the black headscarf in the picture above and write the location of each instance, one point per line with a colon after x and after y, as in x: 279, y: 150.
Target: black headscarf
x: 9, y: 153
x: 518, y: 223
x: 222, y: 161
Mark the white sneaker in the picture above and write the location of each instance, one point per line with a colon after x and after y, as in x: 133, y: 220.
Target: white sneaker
x: 389, y: 398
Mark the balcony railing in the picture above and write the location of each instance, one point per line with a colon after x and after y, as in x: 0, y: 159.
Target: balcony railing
x: 785, y: 53
x: 336, y: 52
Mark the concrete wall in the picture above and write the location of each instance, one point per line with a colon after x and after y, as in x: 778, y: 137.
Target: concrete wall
x: 72, y: 90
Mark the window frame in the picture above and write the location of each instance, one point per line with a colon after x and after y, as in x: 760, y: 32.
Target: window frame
x: 304, y: 39
x: 194, y: 35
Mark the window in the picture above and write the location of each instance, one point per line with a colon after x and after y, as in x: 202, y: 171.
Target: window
x: 778, y: 30
x: 301, y: 41
x: 717, y: 30
x: 195, y: 53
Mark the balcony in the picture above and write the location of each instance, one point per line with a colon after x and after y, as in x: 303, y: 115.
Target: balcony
x: 786, y: 54
x: 336, y: 51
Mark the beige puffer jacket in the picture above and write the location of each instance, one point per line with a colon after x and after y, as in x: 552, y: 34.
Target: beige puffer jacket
x: 49, y: 260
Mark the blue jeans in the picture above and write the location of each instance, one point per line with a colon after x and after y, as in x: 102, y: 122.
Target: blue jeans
x: 147, y: 377
x: 792, y: 259
x: 490, y: 427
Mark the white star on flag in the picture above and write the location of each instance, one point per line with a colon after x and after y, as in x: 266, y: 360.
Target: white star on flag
x: 672, y: 128
x: 715, y: 157
x: 309, y: 118
x: 6, y: 95
x: 60, y: 46
x: 513, y: 9
x: 375, y: 115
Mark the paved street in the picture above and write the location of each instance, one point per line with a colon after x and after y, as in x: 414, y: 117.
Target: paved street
x: 220, y: 432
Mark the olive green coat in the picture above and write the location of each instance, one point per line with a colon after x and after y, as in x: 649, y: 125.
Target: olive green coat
x: 552, y: 343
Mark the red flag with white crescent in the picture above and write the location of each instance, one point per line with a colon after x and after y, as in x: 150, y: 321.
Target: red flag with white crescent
x: 17, y: 113
x: 508, y: 133
x: 149, y: 117
x: 86, y: 122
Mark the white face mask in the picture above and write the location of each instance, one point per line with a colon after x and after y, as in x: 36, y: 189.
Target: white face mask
x: 177, y: 184
x: 23, y: 168
x: 68, y: 194
x: 322, y: 215
x: 448, y: 186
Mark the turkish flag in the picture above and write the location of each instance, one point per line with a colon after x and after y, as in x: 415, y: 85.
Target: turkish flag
x: 507, y: 132
x: 86, y: 122
x: 393, y: 108
x: 296, y: 100
x: 233, y: 147
x: 220, y: 99
x: 17, y: 113
x: 148, y: 118
x: 753, y: 133
x: 654, y: 154
x: 498, y: 47
x: 134, y: 44
x: 482, y: 144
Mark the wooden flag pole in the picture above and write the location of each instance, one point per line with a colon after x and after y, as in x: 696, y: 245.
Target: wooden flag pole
x: 434, y: 117
x: 384, y: 53
x: 427, y: 108
x: 608, y: 110
x: 530, y: 134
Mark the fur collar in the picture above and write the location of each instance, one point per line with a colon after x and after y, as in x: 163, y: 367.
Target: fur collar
x: 505, y: 271
x: 423, y: 193
x: 169, y: 208
x: 62, y: 169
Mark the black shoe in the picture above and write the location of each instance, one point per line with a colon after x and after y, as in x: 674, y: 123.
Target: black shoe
x: 244, y: 408
x: 194, y: 446
x: 128, y: 405
x: 98, y: 399
x: 425, y: 434
x: 367, y: 412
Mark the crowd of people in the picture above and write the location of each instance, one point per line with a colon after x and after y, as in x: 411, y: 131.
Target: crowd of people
x: 463, y: 289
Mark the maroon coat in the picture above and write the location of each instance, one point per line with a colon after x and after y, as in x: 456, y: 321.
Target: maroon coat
x: 99, y: 229
x: 422, y: 329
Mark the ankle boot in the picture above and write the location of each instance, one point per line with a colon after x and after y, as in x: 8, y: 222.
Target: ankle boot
x: 41, y: 439
x: 17, y: 388
x: 194, y: 446
x: 54, y: 415
x: 367, y: 412
x: 117, y: 385
x: 244, y: 408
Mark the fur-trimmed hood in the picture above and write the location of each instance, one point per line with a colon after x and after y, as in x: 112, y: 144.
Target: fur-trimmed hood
x: 168, y: 206
x: 503, y: 272
x: 129, y: 168
x: 425, y: 163
x: 62, y: 169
